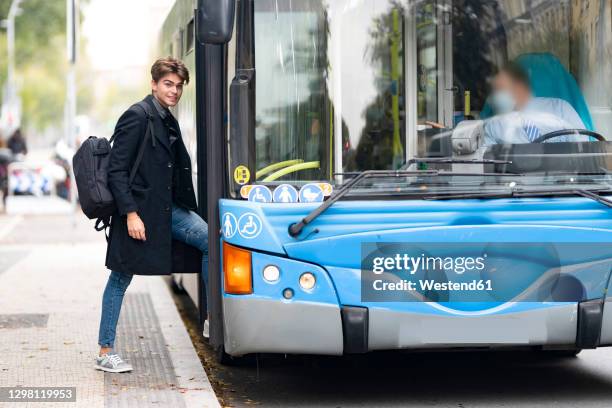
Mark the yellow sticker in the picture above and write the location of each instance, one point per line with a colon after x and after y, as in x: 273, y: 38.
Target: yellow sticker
x: 242, y: 175
x: 245, y: 190
x: 326, y: 188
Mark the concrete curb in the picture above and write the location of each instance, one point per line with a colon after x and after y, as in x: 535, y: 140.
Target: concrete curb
x: 191, y: 375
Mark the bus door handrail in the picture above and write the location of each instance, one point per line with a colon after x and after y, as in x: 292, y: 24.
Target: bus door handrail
x: 291, y: 169
x: 275, y: 166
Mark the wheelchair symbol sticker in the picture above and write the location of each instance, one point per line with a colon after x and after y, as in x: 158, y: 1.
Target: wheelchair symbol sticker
x: 311, y: 193
x: 285, y: 193
x: 229, y: 225
x: 249, y: 226
x: 260, y: 194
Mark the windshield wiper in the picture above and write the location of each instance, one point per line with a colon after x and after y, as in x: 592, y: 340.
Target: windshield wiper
x: 594, y: 196
x: 451, y: 160
x: 296, y: 228
x: 523, y: 194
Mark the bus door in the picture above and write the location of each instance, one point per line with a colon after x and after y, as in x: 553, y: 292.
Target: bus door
x: 214, y: 26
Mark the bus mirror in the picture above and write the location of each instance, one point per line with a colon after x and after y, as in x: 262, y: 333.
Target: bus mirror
x: 215, y: 21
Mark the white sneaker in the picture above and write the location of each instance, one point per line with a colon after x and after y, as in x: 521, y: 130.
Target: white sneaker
x: 206, y: 330
x: 112, y: 363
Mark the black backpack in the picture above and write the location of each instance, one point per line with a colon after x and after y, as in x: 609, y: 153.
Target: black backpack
x: 90, y: 164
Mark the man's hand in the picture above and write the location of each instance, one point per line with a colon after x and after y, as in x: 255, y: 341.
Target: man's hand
x: 434, y: 125
x: 135, y: 226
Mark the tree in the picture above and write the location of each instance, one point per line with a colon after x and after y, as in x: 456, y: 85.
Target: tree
x: 40, y: 60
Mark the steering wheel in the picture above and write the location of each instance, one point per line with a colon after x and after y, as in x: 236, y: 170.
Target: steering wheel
x: 565, y: 132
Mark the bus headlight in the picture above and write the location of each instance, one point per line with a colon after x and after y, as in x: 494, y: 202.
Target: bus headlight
x: 307, y: 281
x: 271, y: 273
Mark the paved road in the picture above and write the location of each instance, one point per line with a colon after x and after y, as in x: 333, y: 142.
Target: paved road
x: 464, y: 380
x: 427, y: 380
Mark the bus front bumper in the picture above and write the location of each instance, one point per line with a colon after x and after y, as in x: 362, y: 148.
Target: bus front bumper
x: 255, y: 325
x: 315, y: 321
x: 273, y: 326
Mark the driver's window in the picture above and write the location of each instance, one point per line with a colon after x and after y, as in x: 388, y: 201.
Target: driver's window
x: 527, y: 69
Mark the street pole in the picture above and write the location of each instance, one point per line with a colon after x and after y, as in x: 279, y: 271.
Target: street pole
x: 71, y: 106
x: 10, y: 37
x: 10, y: 101
x: 10, y: 40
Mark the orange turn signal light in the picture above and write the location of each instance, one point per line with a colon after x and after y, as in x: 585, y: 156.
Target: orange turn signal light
x: 237, y: 274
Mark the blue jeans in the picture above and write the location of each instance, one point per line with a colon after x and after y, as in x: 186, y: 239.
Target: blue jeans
x: 187, y: 227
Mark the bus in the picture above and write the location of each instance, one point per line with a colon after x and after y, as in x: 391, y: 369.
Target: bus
x: 400, y: 174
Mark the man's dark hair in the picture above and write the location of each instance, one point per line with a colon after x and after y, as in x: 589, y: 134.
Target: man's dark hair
x: 517, y: 73
x: 169, y: 65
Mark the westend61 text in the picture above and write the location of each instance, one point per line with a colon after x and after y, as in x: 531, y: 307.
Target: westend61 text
x: 429, y: 284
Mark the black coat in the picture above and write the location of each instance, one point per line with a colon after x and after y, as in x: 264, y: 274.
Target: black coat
x: 150, y: 196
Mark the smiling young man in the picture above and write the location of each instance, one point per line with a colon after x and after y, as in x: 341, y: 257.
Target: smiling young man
x: 155, y: 215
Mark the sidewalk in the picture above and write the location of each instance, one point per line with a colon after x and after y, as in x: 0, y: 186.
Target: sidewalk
x: 52, y: 276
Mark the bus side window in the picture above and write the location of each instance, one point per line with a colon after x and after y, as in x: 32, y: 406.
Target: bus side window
x: 190, y: 36
x: 176, y: 45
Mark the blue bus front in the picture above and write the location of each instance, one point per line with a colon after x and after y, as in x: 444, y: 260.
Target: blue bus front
x: 455, y: 220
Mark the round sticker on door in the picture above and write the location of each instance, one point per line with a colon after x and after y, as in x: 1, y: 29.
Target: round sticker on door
x: 249, y: 226
x: 327, y: 189
x: 311, y: 193
x: 229, y: 225
x: 245, y: 190
x: 242, y: 175
x: 260, y: 194
x: 285, y: 193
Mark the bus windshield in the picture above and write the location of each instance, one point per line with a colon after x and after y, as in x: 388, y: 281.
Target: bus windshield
x: 353, y: 85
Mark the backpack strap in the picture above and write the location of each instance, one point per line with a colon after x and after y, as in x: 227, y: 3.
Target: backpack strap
x: 148, y: 133
x: 103, y: 224
x: 147, y: 110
